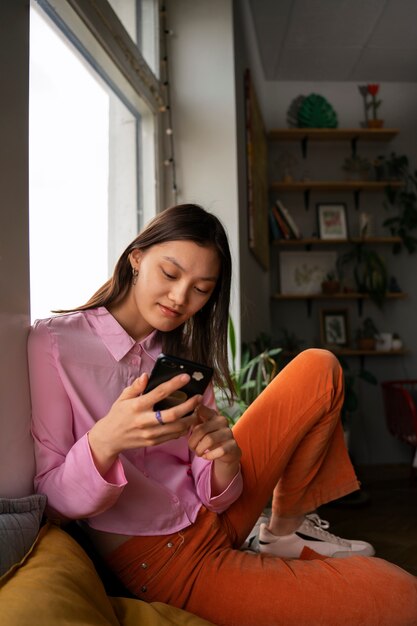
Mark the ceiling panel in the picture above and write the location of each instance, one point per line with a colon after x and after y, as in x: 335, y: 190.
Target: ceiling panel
x: 377, y: 66
x: 336, y: 40
x: 326, y: 64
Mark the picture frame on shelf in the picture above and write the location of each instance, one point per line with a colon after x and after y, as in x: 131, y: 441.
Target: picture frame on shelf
x: 334, y: 327
x: 332, y: 220
x: 303, y: 272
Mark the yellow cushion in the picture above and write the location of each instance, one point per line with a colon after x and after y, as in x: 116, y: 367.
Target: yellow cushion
x: 137, y: 613
x: 56, y: 584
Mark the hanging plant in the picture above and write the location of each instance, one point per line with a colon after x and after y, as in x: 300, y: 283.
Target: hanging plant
x: 404, y: 201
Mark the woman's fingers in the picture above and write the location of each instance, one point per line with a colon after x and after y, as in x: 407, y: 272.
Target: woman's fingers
x: 209, y: 434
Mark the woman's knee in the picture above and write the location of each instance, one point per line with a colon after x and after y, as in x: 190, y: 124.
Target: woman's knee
x: 320, y: 358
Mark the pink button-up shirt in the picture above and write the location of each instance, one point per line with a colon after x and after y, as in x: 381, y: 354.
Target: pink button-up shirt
x: 79, y: 363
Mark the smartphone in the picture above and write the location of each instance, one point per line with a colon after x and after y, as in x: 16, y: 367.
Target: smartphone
x: 166, y: 367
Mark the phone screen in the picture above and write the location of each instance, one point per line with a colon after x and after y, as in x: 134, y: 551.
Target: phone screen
x: 166, y: 367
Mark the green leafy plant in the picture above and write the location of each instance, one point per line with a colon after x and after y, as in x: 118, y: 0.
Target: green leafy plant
x: 351, y: 377
x: 250, y: 377
x: 369, y: 271
x: 368, y: 330
x: 403, y: 201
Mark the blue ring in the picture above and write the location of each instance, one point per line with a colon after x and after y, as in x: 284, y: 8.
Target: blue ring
x: 158, y: 416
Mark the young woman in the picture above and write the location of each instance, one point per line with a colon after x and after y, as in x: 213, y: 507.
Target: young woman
x: 169, y: 497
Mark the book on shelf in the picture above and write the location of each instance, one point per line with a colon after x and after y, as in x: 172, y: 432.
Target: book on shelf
x: 289, y: 220
x: 282, y: 225
x: 275, y: 230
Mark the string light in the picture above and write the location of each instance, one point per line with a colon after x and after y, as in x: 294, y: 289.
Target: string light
x: 166, y: 107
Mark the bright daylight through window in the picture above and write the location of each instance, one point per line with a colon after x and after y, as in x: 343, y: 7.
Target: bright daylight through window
x: 86, y: 190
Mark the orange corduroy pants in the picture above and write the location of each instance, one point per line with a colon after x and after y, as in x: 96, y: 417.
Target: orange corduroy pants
x: 293, y: 446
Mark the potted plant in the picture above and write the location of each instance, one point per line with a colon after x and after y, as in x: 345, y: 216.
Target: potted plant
x: 369, y: 271
x: 370, y: 274
x: 357, y: 167
x: 330, y: 284
x: 250, y: 379
x: 373, y: 105
x: 366, y: 335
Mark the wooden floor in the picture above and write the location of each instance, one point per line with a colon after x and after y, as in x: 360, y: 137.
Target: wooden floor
x: 384, y: 513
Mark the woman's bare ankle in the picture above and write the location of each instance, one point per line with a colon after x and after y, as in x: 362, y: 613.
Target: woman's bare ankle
x: 281, y: 526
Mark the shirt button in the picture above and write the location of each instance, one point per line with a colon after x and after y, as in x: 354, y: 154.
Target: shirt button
x: 144, y: 589
x: 134, y: 361
x: 175, y: 500
x: 144, y: 565
x: 170, y: 544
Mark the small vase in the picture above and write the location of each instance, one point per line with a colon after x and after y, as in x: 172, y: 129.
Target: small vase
x: 375, y: 123
x: 366, y: 343
x: 330, y: 286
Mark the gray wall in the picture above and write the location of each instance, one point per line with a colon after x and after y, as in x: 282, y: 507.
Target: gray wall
x: 16, y: 454
x: 202, y: 70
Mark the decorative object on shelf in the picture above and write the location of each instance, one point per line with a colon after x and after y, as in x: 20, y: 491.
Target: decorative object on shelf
x: 330, y: 284
x: 384, y: 342
x: 369, y: 94
x: 397, y: 343
x: 374, y: 104
x: 332, y: 222
x: 357, y: 167
x: 404, y: 202
x: 366, y: 225
x: 393, y: 285
x: 292, y: 113
x: 285, y: 164
x: 366, y: 335
x: 380, y: 169
x: 316, y: 112
x: 303, y: 272
x: 334, y: 328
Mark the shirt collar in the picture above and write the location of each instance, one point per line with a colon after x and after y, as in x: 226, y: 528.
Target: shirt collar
x: 116, y: 339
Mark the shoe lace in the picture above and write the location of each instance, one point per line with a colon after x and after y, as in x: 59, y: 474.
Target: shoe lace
x: 319, y: 527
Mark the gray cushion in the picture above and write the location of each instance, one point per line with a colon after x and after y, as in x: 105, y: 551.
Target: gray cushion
x: 20, y: 520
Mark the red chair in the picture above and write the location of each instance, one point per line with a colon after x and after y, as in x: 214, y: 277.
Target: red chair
x: 400, y: 405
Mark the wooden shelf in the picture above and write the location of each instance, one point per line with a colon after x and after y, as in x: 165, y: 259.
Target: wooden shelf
x: 336, y: 185
x: 332, y: 134
x: 315, y: 241
x: 336, y: 296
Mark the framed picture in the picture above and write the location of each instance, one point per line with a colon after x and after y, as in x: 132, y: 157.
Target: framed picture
x: 303, y: 272
x: 332, y: 221
x: 334, y: 327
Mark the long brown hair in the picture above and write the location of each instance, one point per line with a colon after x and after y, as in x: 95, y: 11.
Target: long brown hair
x: 202, y: 338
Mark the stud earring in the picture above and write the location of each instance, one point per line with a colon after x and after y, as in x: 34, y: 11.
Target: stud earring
x: 135, y: 274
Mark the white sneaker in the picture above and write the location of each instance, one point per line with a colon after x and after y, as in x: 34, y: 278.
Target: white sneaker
x: 312, y: 534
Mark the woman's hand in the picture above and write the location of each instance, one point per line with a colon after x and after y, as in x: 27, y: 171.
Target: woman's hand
x: 213, y: 440
x: 131, y: 421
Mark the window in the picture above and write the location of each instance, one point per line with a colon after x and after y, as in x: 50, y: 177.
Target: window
x: 93, y: 154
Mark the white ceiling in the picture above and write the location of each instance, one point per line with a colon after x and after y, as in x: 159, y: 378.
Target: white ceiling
x: 337, y: 40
